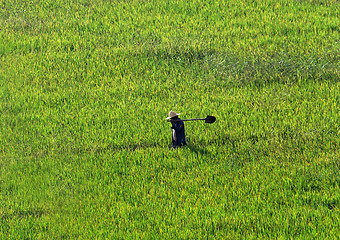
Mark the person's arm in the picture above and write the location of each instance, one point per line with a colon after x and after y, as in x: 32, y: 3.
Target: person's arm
x: 174, y: 138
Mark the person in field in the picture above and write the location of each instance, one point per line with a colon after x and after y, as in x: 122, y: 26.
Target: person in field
x: 178, y: 130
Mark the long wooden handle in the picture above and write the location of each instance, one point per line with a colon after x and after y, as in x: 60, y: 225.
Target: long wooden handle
x: 208, y: 119
x: 192, y: 119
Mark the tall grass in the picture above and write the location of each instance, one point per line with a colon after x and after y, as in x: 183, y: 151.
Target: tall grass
x: 85, y: 88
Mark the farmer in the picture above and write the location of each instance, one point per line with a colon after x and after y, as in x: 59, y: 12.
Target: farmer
x: 178, y: 131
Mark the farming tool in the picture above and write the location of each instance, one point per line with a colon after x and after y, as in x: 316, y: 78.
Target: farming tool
x: 208, y: 119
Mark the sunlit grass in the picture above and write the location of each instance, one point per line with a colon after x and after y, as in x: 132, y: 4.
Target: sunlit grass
x: 84, y: 145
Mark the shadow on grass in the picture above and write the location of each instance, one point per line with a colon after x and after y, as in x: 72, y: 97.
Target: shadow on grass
x: 230, y: 69
x: 198, y: 150
x: 35, y: 213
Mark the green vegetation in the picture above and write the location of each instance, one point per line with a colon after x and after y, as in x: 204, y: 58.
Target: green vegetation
x: 85, y: 87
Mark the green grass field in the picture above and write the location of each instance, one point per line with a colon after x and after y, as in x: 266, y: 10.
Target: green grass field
x: 85, y: 87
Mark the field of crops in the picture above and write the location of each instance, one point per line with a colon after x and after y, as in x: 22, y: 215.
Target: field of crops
x: 85, y: 87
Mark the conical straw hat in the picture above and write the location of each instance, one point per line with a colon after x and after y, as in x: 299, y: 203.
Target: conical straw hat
x: 172, y: 114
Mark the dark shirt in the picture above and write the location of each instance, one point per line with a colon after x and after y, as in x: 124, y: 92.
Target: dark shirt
x: 179, y: 138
